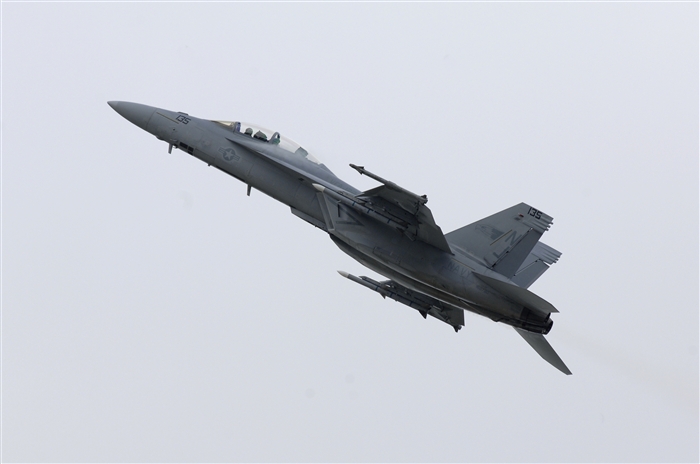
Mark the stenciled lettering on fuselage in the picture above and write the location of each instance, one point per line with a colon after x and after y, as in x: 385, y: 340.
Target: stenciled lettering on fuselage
x: 457, y: 268
x: 229, y: 154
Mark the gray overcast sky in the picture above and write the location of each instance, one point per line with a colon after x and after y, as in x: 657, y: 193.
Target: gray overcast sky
x: 153, y: 312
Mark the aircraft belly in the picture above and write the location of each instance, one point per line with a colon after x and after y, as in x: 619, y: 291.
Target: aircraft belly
x: 410, y: 283
x: 422, y: 268
x: 412, y: 263
x: 483, y: 295
x: 386, y: 258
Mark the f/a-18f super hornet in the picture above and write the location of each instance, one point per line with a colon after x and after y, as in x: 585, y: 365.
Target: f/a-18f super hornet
x: 485, y: 267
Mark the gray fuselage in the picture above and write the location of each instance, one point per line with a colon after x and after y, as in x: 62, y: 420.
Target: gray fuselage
x: 268, y: 168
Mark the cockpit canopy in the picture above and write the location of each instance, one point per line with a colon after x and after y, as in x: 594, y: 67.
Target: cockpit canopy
x: 266, y: 135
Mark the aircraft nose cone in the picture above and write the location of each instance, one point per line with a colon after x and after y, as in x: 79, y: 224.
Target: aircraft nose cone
x: 135, y: 113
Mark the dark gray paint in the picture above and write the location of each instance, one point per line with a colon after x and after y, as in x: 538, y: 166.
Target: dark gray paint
x: 388, y: 229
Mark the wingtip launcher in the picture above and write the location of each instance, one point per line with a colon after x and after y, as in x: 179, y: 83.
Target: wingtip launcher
x: 421, y: 199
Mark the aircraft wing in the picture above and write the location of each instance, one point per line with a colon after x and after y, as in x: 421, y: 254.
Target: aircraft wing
x: 407, y: 207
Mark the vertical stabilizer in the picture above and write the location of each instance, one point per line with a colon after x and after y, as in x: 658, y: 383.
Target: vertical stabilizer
x: 502, y: 241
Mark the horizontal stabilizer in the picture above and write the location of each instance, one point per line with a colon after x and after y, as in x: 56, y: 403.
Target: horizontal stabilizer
x: 544, y: 349
x: 519, y: 295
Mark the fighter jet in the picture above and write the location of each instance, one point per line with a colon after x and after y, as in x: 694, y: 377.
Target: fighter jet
x: 485, y: 267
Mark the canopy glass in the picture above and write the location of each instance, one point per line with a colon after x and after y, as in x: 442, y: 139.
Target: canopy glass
x: 266, y: 135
